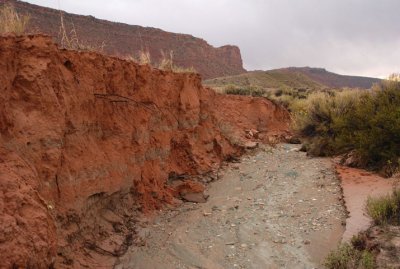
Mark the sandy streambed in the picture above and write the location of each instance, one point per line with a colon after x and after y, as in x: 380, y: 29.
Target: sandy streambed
x: 357, y: 186
x: 276, y: 208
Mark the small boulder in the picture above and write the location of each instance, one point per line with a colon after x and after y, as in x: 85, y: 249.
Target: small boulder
x: 250, y: 145
x: 198, y: 197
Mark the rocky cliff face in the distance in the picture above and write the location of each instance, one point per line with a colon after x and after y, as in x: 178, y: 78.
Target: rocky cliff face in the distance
x: 126, y: 40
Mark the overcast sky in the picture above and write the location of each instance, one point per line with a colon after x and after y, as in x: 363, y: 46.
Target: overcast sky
x: 358, y: 37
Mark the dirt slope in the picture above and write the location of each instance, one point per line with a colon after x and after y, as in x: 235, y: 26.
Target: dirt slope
x: 126, y: 40
x: 89, y: 141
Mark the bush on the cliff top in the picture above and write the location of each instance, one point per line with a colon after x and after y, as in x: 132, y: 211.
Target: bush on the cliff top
x: 11, y: 21
x: 244, y: 90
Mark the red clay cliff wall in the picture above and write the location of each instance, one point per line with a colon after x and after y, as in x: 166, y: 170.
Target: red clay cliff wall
x: 87, y: 140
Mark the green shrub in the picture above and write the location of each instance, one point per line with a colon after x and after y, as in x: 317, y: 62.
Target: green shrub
x: 340, y: 258
x: 386, y: 209
x: 346, y: 256
x: 247, y: 90
x: 367, y: 122
x: 367, y: 260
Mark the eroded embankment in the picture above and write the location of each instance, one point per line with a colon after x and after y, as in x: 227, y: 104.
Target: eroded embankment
x: 87, y: 141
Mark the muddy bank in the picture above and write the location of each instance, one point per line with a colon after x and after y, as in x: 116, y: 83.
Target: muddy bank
x: 88, y: 141
x: 276, y: 208
x: 358, y: 185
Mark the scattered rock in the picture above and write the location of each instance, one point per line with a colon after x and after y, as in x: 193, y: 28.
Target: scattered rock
x: 293, y: 140
x: 304, y: 148
x: 250, y: 145
x: 195, y: 197
x: 236, y: 166
x: 252, y: 134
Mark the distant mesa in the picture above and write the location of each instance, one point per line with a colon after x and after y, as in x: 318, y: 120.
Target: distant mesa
x: 126, y: 40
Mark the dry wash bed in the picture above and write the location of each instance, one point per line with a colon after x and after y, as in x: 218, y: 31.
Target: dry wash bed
x: 277, y: 208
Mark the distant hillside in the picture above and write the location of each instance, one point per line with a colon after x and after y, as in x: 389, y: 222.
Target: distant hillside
x: 293, y: 78
x: 330, y: 79
x: 122, y: 40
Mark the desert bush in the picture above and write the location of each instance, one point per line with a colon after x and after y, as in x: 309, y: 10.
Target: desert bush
x: 288, y: 97
x: 285, y: 100
x: 386, y: 209
x: 346, y: 256
x: 367, y: 122
x: 372, y: 129
x: 315, y: 118
x: 394, y: 77
x: 245, y: 90
x: 11, y: 21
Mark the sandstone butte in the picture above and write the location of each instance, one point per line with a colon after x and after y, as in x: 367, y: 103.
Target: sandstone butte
x: 125, y: 40
x: 88, y: 142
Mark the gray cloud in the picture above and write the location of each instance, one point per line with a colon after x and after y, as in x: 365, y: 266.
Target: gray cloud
x: 359, y: 37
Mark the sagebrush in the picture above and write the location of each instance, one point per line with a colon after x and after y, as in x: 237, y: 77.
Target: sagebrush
x: 366, y: 122
x: 241, y: 90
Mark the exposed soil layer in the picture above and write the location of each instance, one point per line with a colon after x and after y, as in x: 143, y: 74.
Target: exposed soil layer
x: 89, y: 141
x: 124, y: 40
x: 275, y: 208
x: 357, y: 186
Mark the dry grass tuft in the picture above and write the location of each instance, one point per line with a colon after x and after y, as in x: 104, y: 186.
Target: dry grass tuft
x: 11, y: 21
x: 144, y: 57
x: 166, y: 63
x: 70, y: 40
